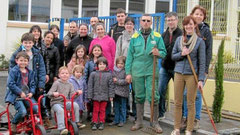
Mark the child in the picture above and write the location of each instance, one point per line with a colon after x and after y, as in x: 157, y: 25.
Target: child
x: 96, y: 52
x: 78, y: 82
x: 81, y: 57
x: 100, y: 90
x: 62, y: 86
x: 121, y: 92
x: 20, y: 83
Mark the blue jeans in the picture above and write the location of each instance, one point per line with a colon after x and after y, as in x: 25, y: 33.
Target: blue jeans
x: 120, y: 109
x: 198, y: 104
x: 164, y: 78
x: 20, y: 107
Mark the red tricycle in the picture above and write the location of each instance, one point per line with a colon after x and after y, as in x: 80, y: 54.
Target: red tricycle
x: 31, y: 123
x: 69, y: 116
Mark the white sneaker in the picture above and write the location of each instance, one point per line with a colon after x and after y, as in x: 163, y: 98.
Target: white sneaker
x: 161, y: 118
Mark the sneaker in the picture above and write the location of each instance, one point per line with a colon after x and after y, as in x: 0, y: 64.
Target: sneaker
x: 14, y: 128
x: 183, y: 124
x: 175, y: 132
x: 112, y: 124
x: 64, y: 132
x: 101, y: 126
x: 188, y: 132
x: 80, y: 125
x: 196, y: 124
x: 161, y: 118
x: 94, y: 126
x: 120, y: 124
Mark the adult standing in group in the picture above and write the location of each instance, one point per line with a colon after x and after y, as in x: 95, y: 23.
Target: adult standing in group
x: 139, y: 69
x: 166, y: 71
x: 93, y: 22
x: 199, y: 13
x: 57, y: 42
x: 107, y: 43
x: 81, y: 39
x: 188, y: 44
x: 117, y: 28
x: 73, y: 31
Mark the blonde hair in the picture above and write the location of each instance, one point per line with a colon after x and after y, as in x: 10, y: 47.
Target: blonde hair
x: 63, y: 68
x: 78, y: 68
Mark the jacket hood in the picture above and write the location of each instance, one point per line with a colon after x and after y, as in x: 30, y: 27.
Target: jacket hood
x: 105, y: 37
x: 34, y: 50
x: 202, y: 25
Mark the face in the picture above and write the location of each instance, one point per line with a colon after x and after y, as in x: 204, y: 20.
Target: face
x: 77, y: 74
x: 80, y: 53
x: 102, y: 66
x: 198, y: 15
x: 83, y: 30
x: 36, y: 34
x: 48, y: 39
x: 65, y: 42
x: 100, y: 30
x: 28, y: 45
x: 93, y: 21
x: 129, y: 26
x: 22, y: 62
x: 172, y: 22
x: 120, y: 65
x: 73, y: 27
x: 146, y: 22
x: 97, y: 52
x: 121, y: 18
x: 190, y: 27
x: 64, y: 75
x: 56, y: 32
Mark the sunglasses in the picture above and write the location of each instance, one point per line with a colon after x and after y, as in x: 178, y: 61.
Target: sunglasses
x: 146, y: 20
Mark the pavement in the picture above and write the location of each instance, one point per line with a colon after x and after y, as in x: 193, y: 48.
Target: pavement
x: 226, y: 127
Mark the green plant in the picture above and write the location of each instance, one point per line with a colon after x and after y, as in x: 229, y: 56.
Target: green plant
x: 219, y: 92
x: 228, y: 57
x: 3, y: 62
x: 16, y: 45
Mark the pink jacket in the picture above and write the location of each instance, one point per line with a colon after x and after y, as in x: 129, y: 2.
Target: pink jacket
x: 109, y: 48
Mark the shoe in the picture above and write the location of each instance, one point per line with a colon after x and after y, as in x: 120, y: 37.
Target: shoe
x: 120, y: 124
x: 161, y: 118
x: 80, y: 125
x: 47, y: 122
x: 101, y: 126
x: 94, y: 126
x: 112, y: 124
x: 14, y: 128
x: 175, y: 132
x: 196, y: 124
x: 183, y: 124
x: 64, y: 132
x: 188, y: 132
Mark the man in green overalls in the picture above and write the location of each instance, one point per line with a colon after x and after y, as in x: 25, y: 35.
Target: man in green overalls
x: 139, y: 68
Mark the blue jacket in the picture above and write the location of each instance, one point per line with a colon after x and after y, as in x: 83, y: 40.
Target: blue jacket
x: 89, y: 68
x: 197, y: 56
x: 14, y: 85
x: 38, y: 66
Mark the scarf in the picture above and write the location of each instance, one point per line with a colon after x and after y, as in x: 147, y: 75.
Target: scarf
x: 191, y: 42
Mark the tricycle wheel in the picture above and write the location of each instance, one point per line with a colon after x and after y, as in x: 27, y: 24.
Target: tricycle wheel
x: 72, y: 128
x: 40, y: 130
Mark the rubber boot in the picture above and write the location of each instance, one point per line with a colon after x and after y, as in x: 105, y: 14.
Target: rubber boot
x: 139, y: 122
x: 155, y: 125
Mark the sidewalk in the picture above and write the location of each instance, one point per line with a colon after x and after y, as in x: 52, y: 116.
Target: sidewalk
x: 226, y: 127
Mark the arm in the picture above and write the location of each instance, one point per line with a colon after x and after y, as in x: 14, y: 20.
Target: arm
x: 208, y: 43
x: 54, y: 88
x: 85, y: 91
x: 86, y: 71
x: 57, y: 58
x: 41, y: 73
x: 69, y: 51
x: 72, y: 91
x: 161, y: 48
x: 111, y: 87
x: 91, y: 86
x: 32, y: 84
x: 176, y: 53
x: 201, y: 61
x: 129, y: 61
x: 118, y: 48
x: 113, y: 51
x: 11, y: 83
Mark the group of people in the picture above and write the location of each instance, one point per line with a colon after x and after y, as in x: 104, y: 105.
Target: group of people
x: 101, y: 68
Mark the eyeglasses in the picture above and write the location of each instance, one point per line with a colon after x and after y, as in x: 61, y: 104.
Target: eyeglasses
x: 146, y: 20
x: 129, y: 24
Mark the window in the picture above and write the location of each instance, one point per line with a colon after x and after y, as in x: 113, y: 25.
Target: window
x: 162, y: 6
x: 115, y: 4
x: 89, y: 8
x: 136, y: 6
x: 19, y: 9
x: 70, y: 8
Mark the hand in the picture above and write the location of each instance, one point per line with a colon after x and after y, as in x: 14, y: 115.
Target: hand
x: 155, y: 52
x: 79, y: 92
x: 29, y: 95
x: 111, y: 99
x: 129, y: 78
x: 55, y: 79
x: 23, y: 95
x: 55, y: 94
x: 40, y: 89
x: 200, y: 85
x: 114, y: 79
x: 185, y: 51
x: 47, y: 78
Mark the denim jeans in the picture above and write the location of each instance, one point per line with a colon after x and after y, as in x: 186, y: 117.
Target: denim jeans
x: 164, y: 78
x: 198, y: 104
x: 20, y: 107
x: 120, y: 110
x: 58, y: 108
